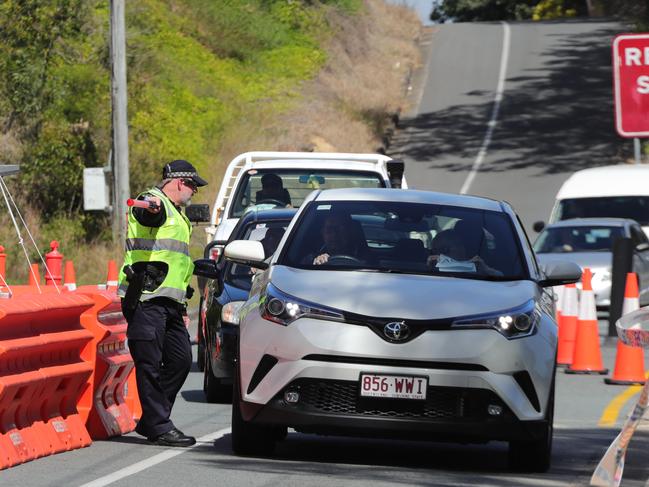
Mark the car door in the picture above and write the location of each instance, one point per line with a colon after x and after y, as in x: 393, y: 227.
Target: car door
x: 641, y: 260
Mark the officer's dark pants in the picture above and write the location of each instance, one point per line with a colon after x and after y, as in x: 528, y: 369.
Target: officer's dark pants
x: 161, y: 350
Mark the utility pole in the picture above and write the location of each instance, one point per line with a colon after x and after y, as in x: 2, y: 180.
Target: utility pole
x: 121, y: 187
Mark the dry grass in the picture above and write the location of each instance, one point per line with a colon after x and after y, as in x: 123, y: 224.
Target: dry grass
x: 349, y: 104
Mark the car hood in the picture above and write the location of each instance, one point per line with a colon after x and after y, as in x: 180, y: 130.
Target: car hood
x: 592, y: 260
x: 406, y: 296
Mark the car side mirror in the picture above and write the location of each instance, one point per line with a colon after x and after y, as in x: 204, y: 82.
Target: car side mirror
x: 198, y: 213
x: 246, y: 252
x: 641, y: 247
x: 560, y: 272
x: 538, y: 226
x: 395, y: 168
x: 206, y: 268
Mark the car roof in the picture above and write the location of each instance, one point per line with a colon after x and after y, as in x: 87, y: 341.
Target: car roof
x: 591, y: 222
x: 409, y: 196
x: 262, y: 215
x: 618, y: 180
x: 307, y: 165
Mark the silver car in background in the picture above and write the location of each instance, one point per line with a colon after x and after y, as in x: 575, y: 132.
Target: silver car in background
x: 427, y: 319
x: 589, y: 243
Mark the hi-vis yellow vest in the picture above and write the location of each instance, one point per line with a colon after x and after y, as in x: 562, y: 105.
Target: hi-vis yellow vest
x: 168, y: 243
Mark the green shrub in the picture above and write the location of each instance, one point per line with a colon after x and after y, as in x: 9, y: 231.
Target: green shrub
x: 195, y: 68
x: 552, y: 9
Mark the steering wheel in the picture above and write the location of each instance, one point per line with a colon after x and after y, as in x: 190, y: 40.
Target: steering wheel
x: 271, y: 201
x: 343, y: 259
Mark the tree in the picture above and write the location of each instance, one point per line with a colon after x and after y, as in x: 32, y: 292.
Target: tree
x: 477, y: 10
x: 634, y: 10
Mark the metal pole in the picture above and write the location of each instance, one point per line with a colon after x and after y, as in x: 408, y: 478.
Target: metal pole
x: 121, y: 189
x: 636, y: 150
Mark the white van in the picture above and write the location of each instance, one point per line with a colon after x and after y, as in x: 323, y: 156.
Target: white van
x: 620, y: 191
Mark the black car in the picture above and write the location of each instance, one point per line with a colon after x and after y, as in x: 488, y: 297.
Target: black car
x: 218, y: 319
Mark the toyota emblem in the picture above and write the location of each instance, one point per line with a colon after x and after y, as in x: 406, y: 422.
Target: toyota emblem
x: 396, y: 330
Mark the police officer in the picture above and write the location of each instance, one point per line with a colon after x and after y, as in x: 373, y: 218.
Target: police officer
x: 154, y: 286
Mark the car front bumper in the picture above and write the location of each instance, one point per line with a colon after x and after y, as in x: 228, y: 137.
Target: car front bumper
x: 466, y: 371
x: 448, y: 414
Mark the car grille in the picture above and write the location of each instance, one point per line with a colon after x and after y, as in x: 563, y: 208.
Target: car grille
x: 342, y: 397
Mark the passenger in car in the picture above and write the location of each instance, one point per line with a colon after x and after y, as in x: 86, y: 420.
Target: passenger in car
x: 342, y: 236
x: 272, y: 188
x: 448, y: 247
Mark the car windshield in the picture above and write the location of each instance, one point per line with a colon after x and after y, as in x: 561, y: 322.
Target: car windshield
x: 265, y: 189
x: 269, y: 234
x: 407, y: 238
x: 577, y: 239
x: 633, y: 207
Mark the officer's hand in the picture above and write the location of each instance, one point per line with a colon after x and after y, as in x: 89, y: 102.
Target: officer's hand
x: 157, y: 201
x: 190, y: 292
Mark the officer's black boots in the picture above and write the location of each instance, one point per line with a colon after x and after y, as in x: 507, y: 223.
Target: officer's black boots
x: 174, y: 437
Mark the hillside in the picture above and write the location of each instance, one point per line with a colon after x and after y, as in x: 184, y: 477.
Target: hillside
x: 206, y: 80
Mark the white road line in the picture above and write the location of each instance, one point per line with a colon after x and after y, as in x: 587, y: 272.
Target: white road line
x: 154, y: 460
x: 504, y: 58
x: 424, y: 81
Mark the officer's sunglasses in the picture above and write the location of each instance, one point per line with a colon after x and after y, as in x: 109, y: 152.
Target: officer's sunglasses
x: 190, y: 184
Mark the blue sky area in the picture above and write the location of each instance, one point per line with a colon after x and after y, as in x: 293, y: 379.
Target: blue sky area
x: 422, y: 7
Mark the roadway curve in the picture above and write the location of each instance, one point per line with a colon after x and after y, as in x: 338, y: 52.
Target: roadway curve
x: 555, y: 115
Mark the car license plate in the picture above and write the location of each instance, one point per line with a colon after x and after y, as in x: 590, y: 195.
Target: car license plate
x: 393, y: 386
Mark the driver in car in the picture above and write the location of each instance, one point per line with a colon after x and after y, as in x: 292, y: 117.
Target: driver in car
x: 342, y: 237
x: 272, y: 191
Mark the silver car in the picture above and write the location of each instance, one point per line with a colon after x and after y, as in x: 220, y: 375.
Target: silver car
x: 399, y: 313
x: 589, y: 243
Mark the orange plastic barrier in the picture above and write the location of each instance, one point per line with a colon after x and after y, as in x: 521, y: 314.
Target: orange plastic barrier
x: 112, y: 403
x: 42, y: 375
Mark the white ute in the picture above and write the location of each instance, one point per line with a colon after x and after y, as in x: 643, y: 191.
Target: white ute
x: 301, y: 173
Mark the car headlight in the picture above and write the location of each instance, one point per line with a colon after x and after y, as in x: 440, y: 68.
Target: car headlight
x: 513, y: 323
x: 230, y: 312
x: 274, y: 305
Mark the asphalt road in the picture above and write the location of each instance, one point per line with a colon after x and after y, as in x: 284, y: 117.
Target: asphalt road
x: 324, y: 461
x: 555, y: 116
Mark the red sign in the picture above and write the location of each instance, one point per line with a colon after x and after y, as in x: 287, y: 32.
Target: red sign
x: 631, y: 81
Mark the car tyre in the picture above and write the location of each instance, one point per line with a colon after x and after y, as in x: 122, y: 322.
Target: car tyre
x: 249, y: 439
x: 535, y: 455
x: 215, y: 391
x: 200, y: 356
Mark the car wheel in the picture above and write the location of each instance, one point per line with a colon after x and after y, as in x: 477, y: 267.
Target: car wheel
x: 249, y: 439
x: 536, y: 455
x: 215, y: 391
x: 200, y: 356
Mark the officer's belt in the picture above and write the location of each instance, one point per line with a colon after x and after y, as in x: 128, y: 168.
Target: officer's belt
x: 161, y: 292
x: 152, y: 245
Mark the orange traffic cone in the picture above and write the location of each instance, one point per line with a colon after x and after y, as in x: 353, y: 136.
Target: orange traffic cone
x: 111, y: 280
x: 34, y: 275
x: 567, y: 325
x: 588, y: 357
x: 70, y: 279
x: 629, y: 361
